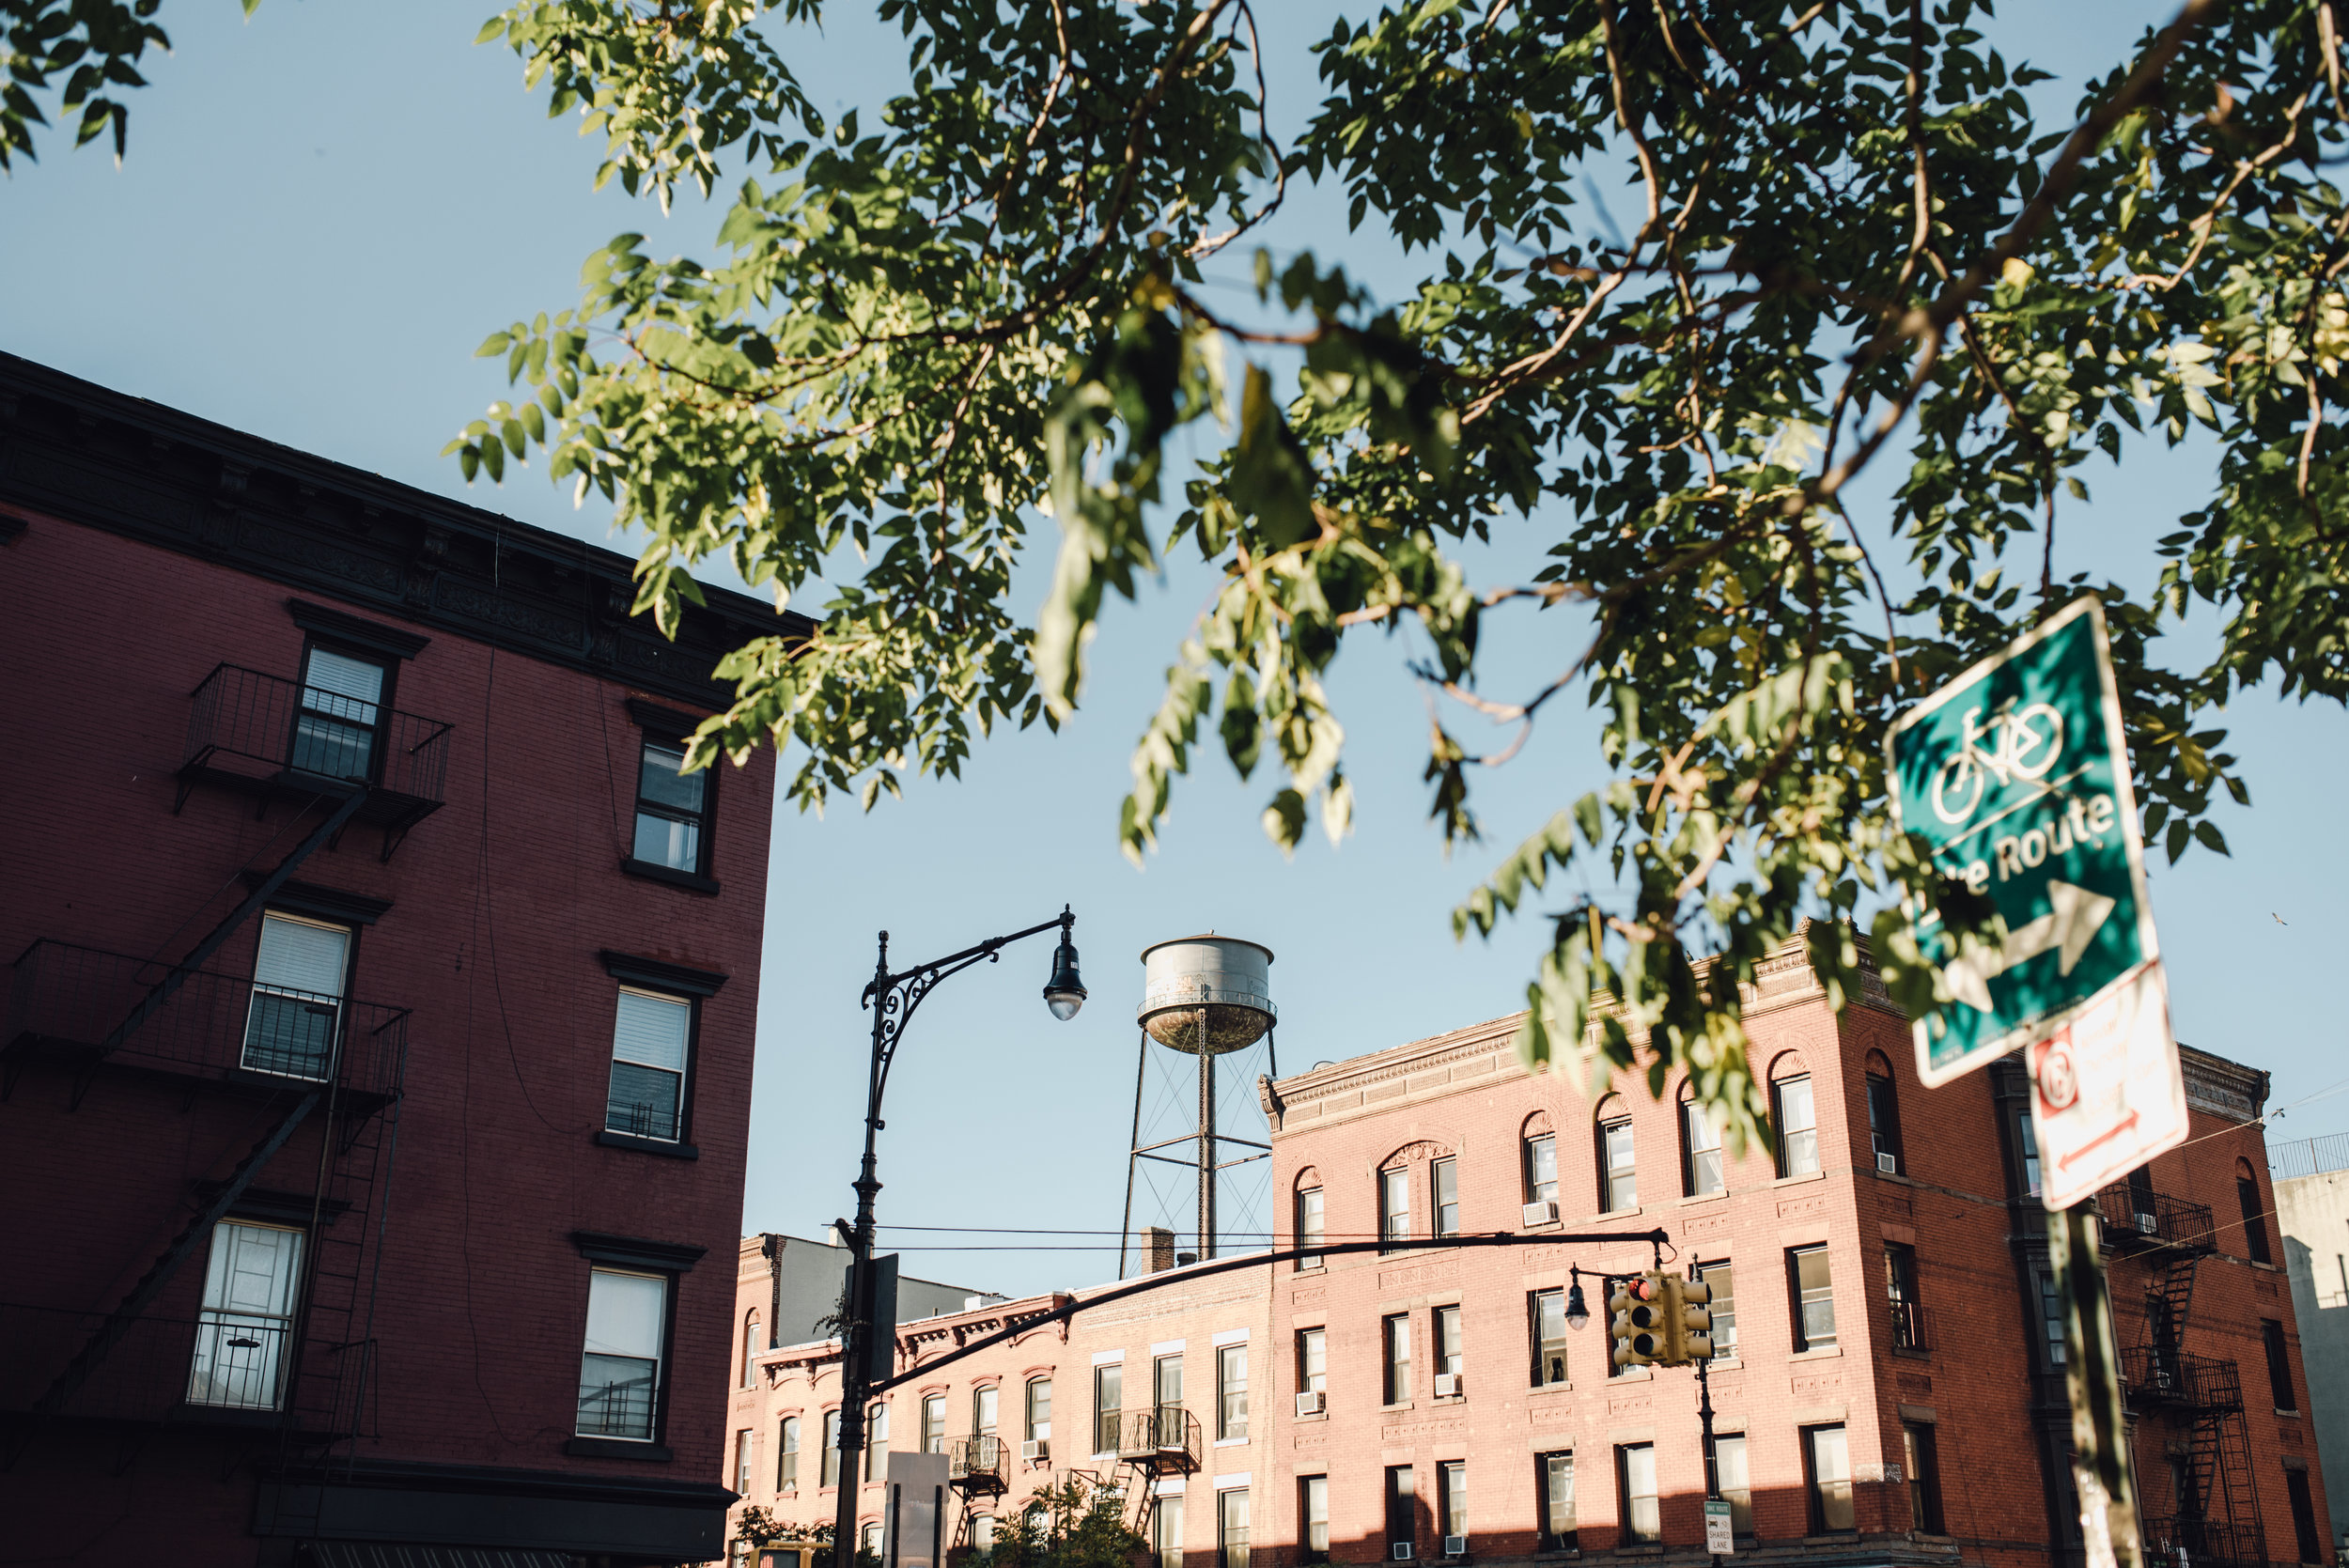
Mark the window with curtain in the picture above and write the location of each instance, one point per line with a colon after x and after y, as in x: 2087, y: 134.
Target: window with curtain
x: 1541, y: 1169
x: 1827, y: 1465
x: 1166, y: 1529
x: 742, y: 1462
x: 1734, y: 1481
x: 1230, y: 1529
x: 1313, y: 1360
x: 1448, y: 1356
x: 1395, y: 1205
x: 1231, y: 1391
x: 293, y: 1018
x: 751, y: 1347
x: 1618, y: 1166
x: 1553, y: 1475
x: 1395, y: 1338
x: 1814, y: 1297
x: 340, y: 717
x: 1451, y: 1497
x: 877, y: 1440
x: 933, y: 1424
x: 1723, y: 1279
x: 252, y: 1278
x: 1793, y: 1108
x: 828, y: 1462
x: 1545, y: 1318
x: 983, y: 1536
x: 651, y: 1038
x: 1040, y: 1402
x: 1308, y: 1224
x: 672, y: 809
x: 1444, y: 1187
x: 983, y: 1411
x: 619, y: 1373
x: 1109, y: 1404
x: 1700, y: 1130
x: 1312, y: 1517
x: 1635, y: 1463
x: 1166, y: 1381
x: 787, y: 1455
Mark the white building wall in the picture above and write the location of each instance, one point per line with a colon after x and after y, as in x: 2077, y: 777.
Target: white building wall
x: 2313, y: 1212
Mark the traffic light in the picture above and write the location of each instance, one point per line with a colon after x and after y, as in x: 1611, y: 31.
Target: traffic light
x: 1637, y: 1327
x: 1689, y: 1325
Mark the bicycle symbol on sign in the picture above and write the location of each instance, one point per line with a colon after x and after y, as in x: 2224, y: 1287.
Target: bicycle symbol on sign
x: 2027, y: 743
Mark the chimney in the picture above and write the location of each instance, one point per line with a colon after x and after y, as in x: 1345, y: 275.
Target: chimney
x: 1158, y: 1242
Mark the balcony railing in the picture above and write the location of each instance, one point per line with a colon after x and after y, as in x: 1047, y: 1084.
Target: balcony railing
x: 215, y: 1364
x: 69, y: 1004
x: 2203, y: 1543
x: 975, y: 1463
x: 1910, y: 1326
x: 2158, y: 1375
x: 2136, y: 1219
x: 263, y: 731
x: 1165, y: 1438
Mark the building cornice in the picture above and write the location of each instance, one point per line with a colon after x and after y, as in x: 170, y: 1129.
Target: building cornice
x: 2222, y: 1088
x: 86, y: 454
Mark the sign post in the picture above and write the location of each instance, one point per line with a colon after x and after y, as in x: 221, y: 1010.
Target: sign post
x: 2015, y: 777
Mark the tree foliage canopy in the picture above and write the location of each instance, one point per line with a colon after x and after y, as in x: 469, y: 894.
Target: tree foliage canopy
x: 1855, y: 244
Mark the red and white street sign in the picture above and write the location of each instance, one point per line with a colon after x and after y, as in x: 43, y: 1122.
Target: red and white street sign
x: 2106, y: 1090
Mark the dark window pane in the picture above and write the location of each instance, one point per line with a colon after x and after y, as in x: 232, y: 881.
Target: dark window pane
x: 644, y: 1101
x: 2247, y: 1191
x: 2278, y: 1365
x: 668, y: 841
x: 1815, y: 1298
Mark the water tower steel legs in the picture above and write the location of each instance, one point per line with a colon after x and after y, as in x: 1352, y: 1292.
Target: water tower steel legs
x: 1206, y: 1143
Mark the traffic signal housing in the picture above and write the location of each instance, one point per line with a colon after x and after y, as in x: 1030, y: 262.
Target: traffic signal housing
x: 1689, y: 1325
x: 1637, y: 1323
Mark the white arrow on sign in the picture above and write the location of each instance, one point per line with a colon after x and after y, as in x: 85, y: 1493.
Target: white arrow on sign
x: 2070, y: 924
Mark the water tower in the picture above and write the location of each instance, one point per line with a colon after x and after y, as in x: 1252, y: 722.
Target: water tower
x: 1206, y: 997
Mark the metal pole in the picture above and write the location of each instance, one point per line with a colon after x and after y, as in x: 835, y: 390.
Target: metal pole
x: 1206, y: 1143
x: 2092, y: 1371
x: 1142, y: 1064
x: 854, y: 1330
x: 1712, y: 1463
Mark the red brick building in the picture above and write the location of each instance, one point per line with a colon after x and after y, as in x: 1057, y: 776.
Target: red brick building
x: 1888, y: 1387
x: 378, y: 1033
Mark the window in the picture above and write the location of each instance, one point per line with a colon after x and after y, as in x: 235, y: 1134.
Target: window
x: 651, y: 1036
x: 738, y: 1554
x: 251, y: 1282
x: 1231, y: 1391
x: 1308, y: 1225
x: 1541, y: 1169
x: 619, y: 1371
x: 877, y: 1440
x: 1798, y: 1119
x: 1827, y: 1471
x: 2304, y: 1516
x: 289, y: 1029
x: 1039, y: 1407
x: 1445, y: 1182
x: 1313, y: 1361
x: 742, y: 1461
x: 933, y: 1424
x: 342, y: 712
x: 1735, y: 1480
x: 2052, y: 1318
x: 983, y: 1411
x: 1396, y: 1335
x: 1884, y: 1122
x: 1546, y: 1316
x: 1449, y: 1358
x: 1700, y: 1165
x: 983, y: 1536
x: 672, y: 809
x: 2278, y: 1364
x: 751, y: 1347
x: 2247, y: 1194
x: 1166, y: 1527
x: 1402, y: 1512
x: 1109, y: 1400
x: 787, y: 1455
x: 1553, y: 1476
x: 827, y: 1464
x: 1814, y: 1297
x: 1395, y: 1205
x: 1230, y: 1529
x: 1635, y: 1465
x: 1900, y: 1286
x: 1723, y: 1280
x: 1924, y: 1477
x: 1452, y: 1497
x: 1166, y: 1376
x: 1618, y: 1169
x: 2027, y: 1148
x: 1313, y: 1515
x: 869, y: 1538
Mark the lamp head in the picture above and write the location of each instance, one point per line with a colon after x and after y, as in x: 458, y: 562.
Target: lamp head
x: 1065, y: 992
x: 1577, y: 1311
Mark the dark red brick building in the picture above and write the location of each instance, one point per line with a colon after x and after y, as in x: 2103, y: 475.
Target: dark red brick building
x: 376, y: 1066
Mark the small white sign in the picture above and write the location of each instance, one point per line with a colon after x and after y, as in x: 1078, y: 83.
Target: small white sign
x: 1718, y: 1537
x: 2106, y: 1090
x: 914, y: 1528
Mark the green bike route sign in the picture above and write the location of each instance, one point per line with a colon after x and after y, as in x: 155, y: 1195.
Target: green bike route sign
x: 2016, y: 776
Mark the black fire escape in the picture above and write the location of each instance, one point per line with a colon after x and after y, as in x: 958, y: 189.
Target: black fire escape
x: 1153, y: 1444
x: 310, y: 1070
x: 2211, y: 1511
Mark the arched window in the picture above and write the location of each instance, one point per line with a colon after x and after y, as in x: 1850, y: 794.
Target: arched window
x: 1395, y: 1202
x: 2247, y: 1193
x: 1039, y: 1413
x: 1701, y: 1172
x: 1618, y: 1159
x: 1308, y: 1215
x: 787, y: 1456
x: 869, y: 1537
x: 1795, y: 1112
x: 1884, y: 1117
x: 751, y: 1347
x: 1539, y: 1167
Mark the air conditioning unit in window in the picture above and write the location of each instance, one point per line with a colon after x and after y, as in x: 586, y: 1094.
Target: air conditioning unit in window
x: 1036, y: 1451
x: 1401, y: 1551
x: 1455, y: 1546
x: 1889, y: 1164
x: 2147, y: 1224
x: 1543, y: 1213
x: 1312, y: 1402
x: 1447, y: 1385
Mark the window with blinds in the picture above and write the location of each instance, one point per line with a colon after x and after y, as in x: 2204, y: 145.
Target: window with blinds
x: 651, y: 1038
x: 619, y: 1373
x: 290, y: 1028
x: 340, y: 715
x: 250, y: 1285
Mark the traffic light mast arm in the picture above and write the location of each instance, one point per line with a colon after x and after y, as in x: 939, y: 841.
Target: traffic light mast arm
x: 1657, y: 1238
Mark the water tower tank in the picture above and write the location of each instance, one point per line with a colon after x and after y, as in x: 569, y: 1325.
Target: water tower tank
x: 1225, y: 978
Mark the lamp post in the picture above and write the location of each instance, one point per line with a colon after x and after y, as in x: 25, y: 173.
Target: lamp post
x: 893, y: 998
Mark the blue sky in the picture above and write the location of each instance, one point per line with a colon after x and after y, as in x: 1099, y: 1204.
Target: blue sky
x: 325, y: 209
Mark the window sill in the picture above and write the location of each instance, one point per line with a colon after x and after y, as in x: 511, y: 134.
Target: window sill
x: 1833, y: 1537
x: 647, y: 1145
x: 1314, y: 1269
x: 652, y: 871
x: 2288, y: 1415
x: 1632, y: 1212
x: 617, y: 1448
x: 1231, y: 1442
x: 1913, y: 1352
x: 1797, y: 1181
x: 1633, y: 1374
x: 1823, y: 1353
x: 1385, y: 1408
x: 1316, y: 1416
x: 1726, y: 1363
x: 1703, y: 1198
x: 1550, y: 1389
x: 1641, y: 1548
x: 1906, y: 1180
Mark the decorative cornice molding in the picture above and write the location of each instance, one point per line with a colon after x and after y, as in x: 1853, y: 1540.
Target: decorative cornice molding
x: 2222, y: 1088
x: 89, y: 456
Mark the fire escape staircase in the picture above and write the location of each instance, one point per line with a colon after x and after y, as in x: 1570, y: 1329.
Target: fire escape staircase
x: 325, y: 1377
x: 1151, y: 1444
